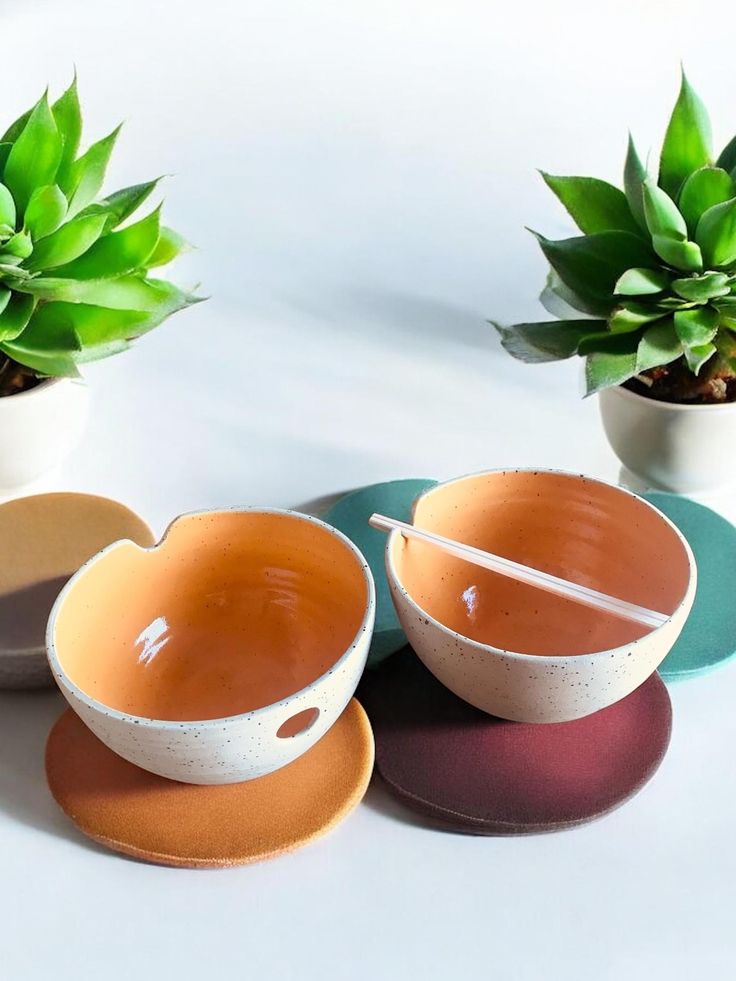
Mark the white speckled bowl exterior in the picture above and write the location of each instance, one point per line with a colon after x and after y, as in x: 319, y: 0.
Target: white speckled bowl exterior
x: 236, y: 748
x: 529, y: 687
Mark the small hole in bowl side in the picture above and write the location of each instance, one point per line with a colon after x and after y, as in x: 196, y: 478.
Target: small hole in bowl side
x: 298, y: 723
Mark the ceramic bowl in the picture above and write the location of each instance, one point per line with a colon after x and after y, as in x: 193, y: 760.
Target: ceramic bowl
x: 224, y: 652
x: 518, y: 652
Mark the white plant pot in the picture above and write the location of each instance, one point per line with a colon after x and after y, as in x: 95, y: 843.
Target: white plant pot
x: 687, y: 449
x: 39, y: 429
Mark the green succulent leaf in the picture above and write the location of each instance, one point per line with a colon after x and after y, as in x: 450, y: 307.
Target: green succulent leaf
x: 67, y: 243
x: 716, y: 234
x: 5, y: 149
x: 45, y: 212
x: 604, y: 370
x: 727, y: 157
x: 634, y: 177
x: 13, y: 131
x: 703, y: 189
x: 591, y: 265
x: 98, y: 327
x: 5, y: 295
x: 88, y: 172
x: 641, y: 282
x: 697, y: 356
x: 702, y: 288
x: 554, y: 340
x: 687, y: 142
x: 594, y: 205
x: 48, y: 348
x: 632, y: 316
x: 68, y: 117
x: 661, y: 213
x: 34, y: 157
x: 685, y: 256
x: 697, y: 326
x: 121, y: 204
x: 19, y: 245
x: 170, y: 245
x: 125, y: 293
x: 559, y: 300
x: 7, y: 207
x: 659, y: 345
x: 15, y: 316
x: 608, y: 343
x: 117, y: 253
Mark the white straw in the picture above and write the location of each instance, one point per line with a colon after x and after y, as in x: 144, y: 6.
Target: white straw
x: 524, y: 573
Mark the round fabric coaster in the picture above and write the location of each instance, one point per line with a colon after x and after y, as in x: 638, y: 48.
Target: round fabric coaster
x: 350, y: 516
x: 480, y: 774
x: 45, y: 539
x: 709, y: 635
x: 148, y: 817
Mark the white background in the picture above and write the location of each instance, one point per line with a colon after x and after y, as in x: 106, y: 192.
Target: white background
x: 357, y: 176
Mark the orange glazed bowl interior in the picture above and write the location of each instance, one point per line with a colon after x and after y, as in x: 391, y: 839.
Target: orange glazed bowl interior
x: 573, y: 527
x: 233, y: 611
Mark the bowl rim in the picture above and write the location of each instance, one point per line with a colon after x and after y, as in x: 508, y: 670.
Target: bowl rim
x: 395, y: 581
x: 65, y: 681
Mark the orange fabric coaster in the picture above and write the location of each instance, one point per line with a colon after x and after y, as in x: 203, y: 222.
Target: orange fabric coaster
x: 135, y: 812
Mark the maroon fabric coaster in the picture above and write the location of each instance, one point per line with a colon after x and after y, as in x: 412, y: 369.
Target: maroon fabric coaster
x: 480, y: 774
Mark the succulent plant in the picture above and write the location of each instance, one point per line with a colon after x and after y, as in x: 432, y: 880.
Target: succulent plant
x: 75, y: 286
x: 647, y: 294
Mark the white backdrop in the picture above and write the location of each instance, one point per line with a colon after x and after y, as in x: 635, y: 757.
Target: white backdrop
x: 357, y: 176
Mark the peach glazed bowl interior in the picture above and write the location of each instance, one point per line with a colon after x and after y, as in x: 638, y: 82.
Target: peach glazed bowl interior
x: 516, y: 651
x: 221, y: 654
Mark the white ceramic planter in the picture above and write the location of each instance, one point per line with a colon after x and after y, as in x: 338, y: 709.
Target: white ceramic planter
x: 243, y: 607
x: 687, y: 449
x: 38, y: 430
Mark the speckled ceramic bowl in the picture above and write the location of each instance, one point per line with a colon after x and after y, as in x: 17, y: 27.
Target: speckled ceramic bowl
x: 518, y: 652
x: 224, y: 652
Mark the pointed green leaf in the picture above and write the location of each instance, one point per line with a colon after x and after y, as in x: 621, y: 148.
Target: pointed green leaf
x: 126, y: 293
x: 697, y: 356
x: 727, y: 157
x: 591, y: 265
x: 604, y: 370
x: 19, y: 245
x: 88, y: 173
x: 594, y: 205
x: 687, y: 142
x: 68, y: 242
x: 700, y: 289
x: 716, y: 234
x: 15, y: 316
x: 68, y: 116
x: 47, y: 348
x: 608, y: 343
x: 633, y: 316
x: 634, y: 177
x: 661, y: 213
x: 548, y: 341
x: 559, y: 300
x: 659, y: 345
x: 121, y: 204
x: 35, y: 155
x: 678, y: 254
x: 117, y: 253
x: 13, y: 131
x: 5, y: 295
x: 703, y: 189
x: 642, y: 282
x: 7, y: 207
x: 5, y: 149
x: 697, y: 326
x: 170, y: 244
x: 45, y: 212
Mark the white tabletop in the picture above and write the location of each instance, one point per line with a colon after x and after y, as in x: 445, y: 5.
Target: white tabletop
x: 357, y: 177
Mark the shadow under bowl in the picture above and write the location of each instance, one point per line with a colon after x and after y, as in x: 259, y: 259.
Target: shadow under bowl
x: 518, y: 652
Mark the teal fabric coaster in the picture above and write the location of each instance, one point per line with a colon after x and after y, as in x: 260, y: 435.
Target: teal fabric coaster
x: 709, y: 636
x: 350, y: 516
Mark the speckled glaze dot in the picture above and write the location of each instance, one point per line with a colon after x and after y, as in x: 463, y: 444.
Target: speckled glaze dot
x: 517, y: 652
x: 221, y: 654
